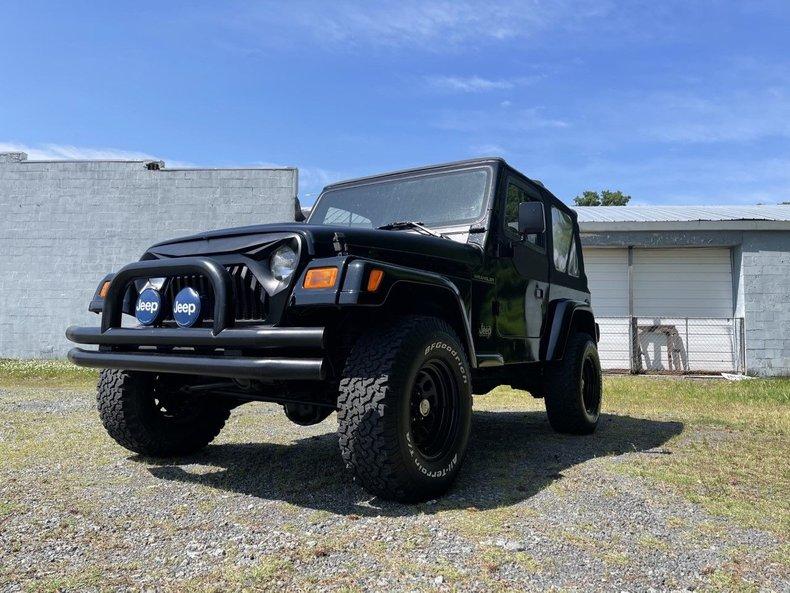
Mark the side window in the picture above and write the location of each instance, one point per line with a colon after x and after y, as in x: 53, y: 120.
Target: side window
x: 340, y: 216
x: 564, y: 242
x: 573, y: 259
x: 516, y: 195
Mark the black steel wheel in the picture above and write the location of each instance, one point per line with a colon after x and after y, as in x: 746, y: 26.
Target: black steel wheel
x: 434, y: 412
x: 591, y: 386
x: 405, y: 409
x: 574, y: 387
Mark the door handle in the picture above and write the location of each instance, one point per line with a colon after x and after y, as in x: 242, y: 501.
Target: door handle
x: 538, y: 293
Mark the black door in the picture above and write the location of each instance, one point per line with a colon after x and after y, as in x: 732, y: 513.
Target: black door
x: 522, y: 282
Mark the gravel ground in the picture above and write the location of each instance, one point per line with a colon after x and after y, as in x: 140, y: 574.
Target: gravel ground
x: 269, y: 507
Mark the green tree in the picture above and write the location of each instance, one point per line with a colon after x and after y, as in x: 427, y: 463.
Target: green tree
x: 607, y: 197
x: 614, y: 198
x: 588, y: 198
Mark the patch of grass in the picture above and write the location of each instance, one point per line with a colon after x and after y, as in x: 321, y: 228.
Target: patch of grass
x: 7, y: 508
x: 729, y: 581
x: 763, y: 404
x: 527, y: 562
x: 474, y: 523
x: 732, y: 455
x: 651, y: 542
x: 449, y: 572
x: 45, y: 373
x: 743, y: 475
x: 615, y: 558
x: 270, y: 568
x: 748, y: 405
x: 86, y: 579
x: 492, y: 559
x: 76, y: 441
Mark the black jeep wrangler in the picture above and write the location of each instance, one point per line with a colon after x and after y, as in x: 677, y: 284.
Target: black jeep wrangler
x: 401, y: 296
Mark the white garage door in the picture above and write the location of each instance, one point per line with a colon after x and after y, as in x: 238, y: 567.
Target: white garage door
x: 682, y: 299
x: 694, y: 282
x: 607, y: 276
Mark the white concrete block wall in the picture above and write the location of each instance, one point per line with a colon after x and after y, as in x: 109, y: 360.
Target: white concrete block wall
x: 765, y: 274
x: 64, y: 224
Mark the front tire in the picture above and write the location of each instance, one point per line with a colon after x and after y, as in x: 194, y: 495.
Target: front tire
x: 145, y: 413
x: 575, y: 387
x: 405, y: 409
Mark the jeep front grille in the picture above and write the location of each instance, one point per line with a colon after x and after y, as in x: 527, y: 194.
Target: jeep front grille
x: 249, y: 298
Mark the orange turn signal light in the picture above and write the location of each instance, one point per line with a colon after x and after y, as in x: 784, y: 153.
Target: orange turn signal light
x: 374, y: 280
x: 320, y: 278
x: 105, y: 288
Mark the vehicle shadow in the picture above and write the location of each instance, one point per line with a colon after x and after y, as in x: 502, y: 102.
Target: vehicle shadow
x: 511, y: 457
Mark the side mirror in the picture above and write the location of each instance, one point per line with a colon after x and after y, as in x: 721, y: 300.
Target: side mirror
x: 531, y: 218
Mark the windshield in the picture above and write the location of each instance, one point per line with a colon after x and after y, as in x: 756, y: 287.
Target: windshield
x: 438, y: 199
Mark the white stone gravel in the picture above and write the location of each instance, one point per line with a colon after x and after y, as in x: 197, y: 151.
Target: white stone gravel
x: 269, y: 507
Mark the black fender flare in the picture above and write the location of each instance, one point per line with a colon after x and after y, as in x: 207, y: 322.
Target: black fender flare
x: 563, y: 316
x: 353, y: 291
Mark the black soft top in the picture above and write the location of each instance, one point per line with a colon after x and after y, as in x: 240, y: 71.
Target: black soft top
x: 496, y: 162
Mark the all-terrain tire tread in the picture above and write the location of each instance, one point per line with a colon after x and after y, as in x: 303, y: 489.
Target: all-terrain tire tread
x: 120, y: 397
x: 562, y: 405
x: 370, y: 447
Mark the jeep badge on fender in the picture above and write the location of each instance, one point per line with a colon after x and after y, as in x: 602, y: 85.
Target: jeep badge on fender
x: 401, y: 296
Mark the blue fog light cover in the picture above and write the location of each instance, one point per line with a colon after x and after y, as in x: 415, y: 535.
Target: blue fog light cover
x: 186, y: 307
x: 149, y: 306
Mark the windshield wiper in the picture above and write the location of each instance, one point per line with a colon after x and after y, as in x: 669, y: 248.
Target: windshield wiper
x: 410, y: 224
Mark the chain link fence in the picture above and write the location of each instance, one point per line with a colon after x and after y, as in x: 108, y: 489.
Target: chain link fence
x: 672, y: 345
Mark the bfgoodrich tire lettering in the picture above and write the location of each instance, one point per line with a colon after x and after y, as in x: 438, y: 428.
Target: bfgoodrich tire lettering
x: 573, y: 396
x: 405, y: 409
x: 143, y: 414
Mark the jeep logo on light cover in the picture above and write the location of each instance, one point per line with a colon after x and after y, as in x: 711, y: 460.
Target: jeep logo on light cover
x: 186, y: 307
x: 149, y: 305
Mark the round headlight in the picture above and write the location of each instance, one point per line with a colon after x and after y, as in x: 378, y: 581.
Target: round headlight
x: 283, y: 262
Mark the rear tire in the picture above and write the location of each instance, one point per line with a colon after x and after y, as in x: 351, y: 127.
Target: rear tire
x: 145, y: 414
x: 574, y: 387
x: 405, y: 409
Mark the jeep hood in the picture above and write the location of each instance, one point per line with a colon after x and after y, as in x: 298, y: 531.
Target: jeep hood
x: 404, y: 247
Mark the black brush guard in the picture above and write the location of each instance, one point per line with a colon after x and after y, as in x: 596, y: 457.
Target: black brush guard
x: 115, y: 341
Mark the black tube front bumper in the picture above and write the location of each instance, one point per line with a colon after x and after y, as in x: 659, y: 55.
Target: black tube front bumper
x: 262, y: 352
x: 238, y: 367
x: 255, y: 336
x: 117, y: 342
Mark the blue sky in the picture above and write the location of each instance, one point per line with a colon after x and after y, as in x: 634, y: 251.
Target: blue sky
x: 674, y: 102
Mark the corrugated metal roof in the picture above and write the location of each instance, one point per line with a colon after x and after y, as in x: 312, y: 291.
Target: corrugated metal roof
x: 681, y: 213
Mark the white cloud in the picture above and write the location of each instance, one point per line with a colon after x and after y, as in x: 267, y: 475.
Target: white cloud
x: 68, y: 152
x: 530, y: 118
x: 477, y: 84
x: 733, y: 101
x: 693, y: 118
x: 488, y: 150
x: 311, y: 180
x: 54, y: 152
x: 431, y: 24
